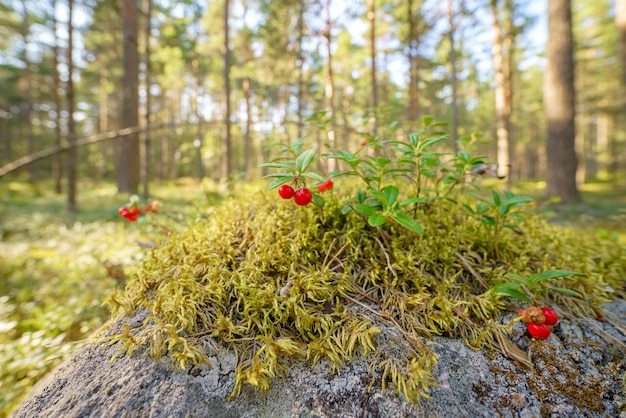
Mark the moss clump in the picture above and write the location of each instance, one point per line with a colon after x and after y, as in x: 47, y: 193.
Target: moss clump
x: 271, y: 281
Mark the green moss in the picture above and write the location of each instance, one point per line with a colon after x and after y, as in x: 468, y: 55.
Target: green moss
x: 271, y: 281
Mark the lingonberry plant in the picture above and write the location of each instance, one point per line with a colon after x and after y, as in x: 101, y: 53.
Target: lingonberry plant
x: 400, y: 173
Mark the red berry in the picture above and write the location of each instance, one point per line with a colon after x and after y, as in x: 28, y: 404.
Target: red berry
x: 303, y: 197
x: 325, y: 186
x: 551, y: 317
x: 286, y: 191
x: 541, y: 331
x: 123, y: 211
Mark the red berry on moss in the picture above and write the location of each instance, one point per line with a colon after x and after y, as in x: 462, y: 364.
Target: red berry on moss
x: 541, y: 331
x: 303, y: 197
x: 551, y: 317
x: 286, y: 191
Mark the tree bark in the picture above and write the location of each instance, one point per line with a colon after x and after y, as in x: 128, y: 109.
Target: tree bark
x: 128, y: 170
x: 371, y: 17
x: 27, y: 99
x: 247, y: 140
x: 145, y: 151
x: 413, y: 58
x: 227, y: 162
x: 454, y: 129
x: 57, y: 164
x: 620, y: 21
x: 330, y: 88
x: 300, y: 97
x: 560, y: 104
x: 502, y: 132
x: 71, y: 134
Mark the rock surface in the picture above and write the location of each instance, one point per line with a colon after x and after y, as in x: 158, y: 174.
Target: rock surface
x: 578, y: 372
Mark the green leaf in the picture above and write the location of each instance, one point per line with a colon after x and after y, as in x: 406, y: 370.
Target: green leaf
x: 361, y: 196
x: 516, y: 200
x: 280, y: 166
x: 279, y: 182
x: 376, y: 219
x: 407, y: 222
x: 519, y: 279
x: 381, y: 198
x: 414, y: 200
x: 365, y: 209
x: 391, y: 193
x: 496, y: 198
x: 511, y: 289
x: 346, y: 209
x: 318, y: 200
x: 553, y: 274
x: 566, y: 291
x: 279, y: 175
x: 432, y: 141
x: 427, y: 120
x: 304, y: 160
x: 415, y: 140
x: 315, y: 177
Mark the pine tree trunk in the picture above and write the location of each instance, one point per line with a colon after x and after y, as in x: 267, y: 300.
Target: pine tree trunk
x: 247, y: 140
x: 330, y: 88
x: 300, y: 98
x: 57, y: 163
x: 71, y: 132
x: 502, y: 124
x: 128, y: 170
x: 413, y: 57
x: 371, y: 17
x: 454, y: 129
x: 227, y: 162
x: 560, y: 103
x: 145, y: 149
x: 27, y: 99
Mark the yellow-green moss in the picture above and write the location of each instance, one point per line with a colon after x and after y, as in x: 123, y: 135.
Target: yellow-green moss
x: 271, y: 280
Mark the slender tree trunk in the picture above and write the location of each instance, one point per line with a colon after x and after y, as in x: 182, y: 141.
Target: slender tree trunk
x: 57, y: 163
x: 560, y: 103
x: 454, y: 137
x: 502, y: 124
x: 128, y: 170
x: 71, y: 132
x: 300, y: 97
x: 145, y: 149
x: 509, y: 46
x: 227, y: 162
x: 413, y: 57
x: 330, y: 88
x: 247, y: 140
x: 198, y: 142
x: 371, y: 17
x: 620, y: 21
x: 27, y: 100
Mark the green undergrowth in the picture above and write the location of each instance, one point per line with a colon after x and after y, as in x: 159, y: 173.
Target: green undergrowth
x: 273, y: 282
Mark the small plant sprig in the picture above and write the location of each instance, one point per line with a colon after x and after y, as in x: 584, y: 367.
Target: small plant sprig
x: 539, y: 320
x: 525, y: 289
x: 295, y: 169
x: 501, y: 211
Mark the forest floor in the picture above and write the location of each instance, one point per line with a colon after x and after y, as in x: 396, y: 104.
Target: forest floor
x: 57, y: 269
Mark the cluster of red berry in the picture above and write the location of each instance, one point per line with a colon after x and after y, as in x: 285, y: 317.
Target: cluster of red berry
x: 132, y: 211
x: 539, y: 321
x: 302, y: 196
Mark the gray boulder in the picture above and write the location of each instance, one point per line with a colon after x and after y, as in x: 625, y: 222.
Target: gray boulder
x: 577, y: 372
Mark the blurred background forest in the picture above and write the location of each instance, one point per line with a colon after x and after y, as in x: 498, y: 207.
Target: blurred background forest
x: 100, y: 99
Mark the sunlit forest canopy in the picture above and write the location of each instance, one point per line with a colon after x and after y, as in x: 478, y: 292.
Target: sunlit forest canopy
x: 212, y: 85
